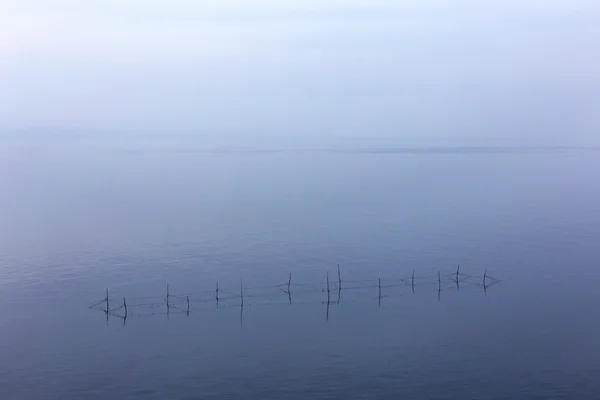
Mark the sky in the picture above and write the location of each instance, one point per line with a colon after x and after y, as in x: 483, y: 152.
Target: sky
x: 426, y: 71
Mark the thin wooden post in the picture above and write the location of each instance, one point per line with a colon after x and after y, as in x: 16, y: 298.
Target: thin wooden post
x: 167, y: 294
x: 242, y: 293
x: 188, y: 304
x: 125, y: 305
x: 217, y: 293
x: 413, y: 281
x: 106, y: 301
x: 439, y: 282
x: 289, y: 283
x: 457, y: 270
x: 484, y: 276
x: 379, y: 291
x: 327, y: 286
x: 339, y: 278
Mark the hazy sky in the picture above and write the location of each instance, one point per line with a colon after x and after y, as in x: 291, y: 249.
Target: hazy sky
x: 441, y: 71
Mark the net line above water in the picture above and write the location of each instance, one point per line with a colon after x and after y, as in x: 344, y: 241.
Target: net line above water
x: 289, y: 292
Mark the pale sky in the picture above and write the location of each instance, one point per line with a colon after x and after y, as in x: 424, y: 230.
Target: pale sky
x: 420, y: 68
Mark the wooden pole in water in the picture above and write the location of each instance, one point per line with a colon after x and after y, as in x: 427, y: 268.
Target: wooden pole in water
x: 125, y: 305
x: 106, y: 301
x: 328, y: 287
x: 188, y: 304
x: 242, y: 293
x: 167, y: 294
x: 380, y: 289
x: 439, y: 282
x: 457, y: 270
x: 289, y: 282
x: 484, y: 276
x: 217, y: 293
x: 339, y: 278
x: 413, y: 281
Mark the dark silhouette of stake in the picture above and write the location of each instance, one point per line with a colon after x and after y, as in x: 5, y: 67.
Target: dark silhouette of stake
x: 289, y: 291
x: 242, y: 293
x: 457, y: 272
x: 217, y: 294
x: 413, y: 281
x: 328, y: 288
x: 339, y: 279
x: 167, y: 298
x: 484, y: 276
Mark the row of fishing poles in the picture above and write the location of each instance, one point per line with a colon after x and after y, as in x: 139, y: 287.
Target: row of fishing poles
x: 455, y: 277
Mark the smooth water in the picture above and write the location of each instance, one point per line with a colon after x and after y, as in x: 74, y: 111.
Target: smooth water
x: 77, y: 218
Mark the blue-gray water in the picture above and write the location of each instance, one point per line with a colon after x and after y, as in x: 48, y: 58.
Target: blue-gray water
x: 79, y: 217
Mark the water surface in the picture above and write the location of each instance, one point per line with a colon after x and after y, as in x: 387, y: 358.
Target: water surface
x: 80, y: 217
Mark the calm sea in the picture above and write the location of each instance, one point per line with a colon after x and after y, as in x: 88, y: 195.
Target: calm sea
x: 77, y: 218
